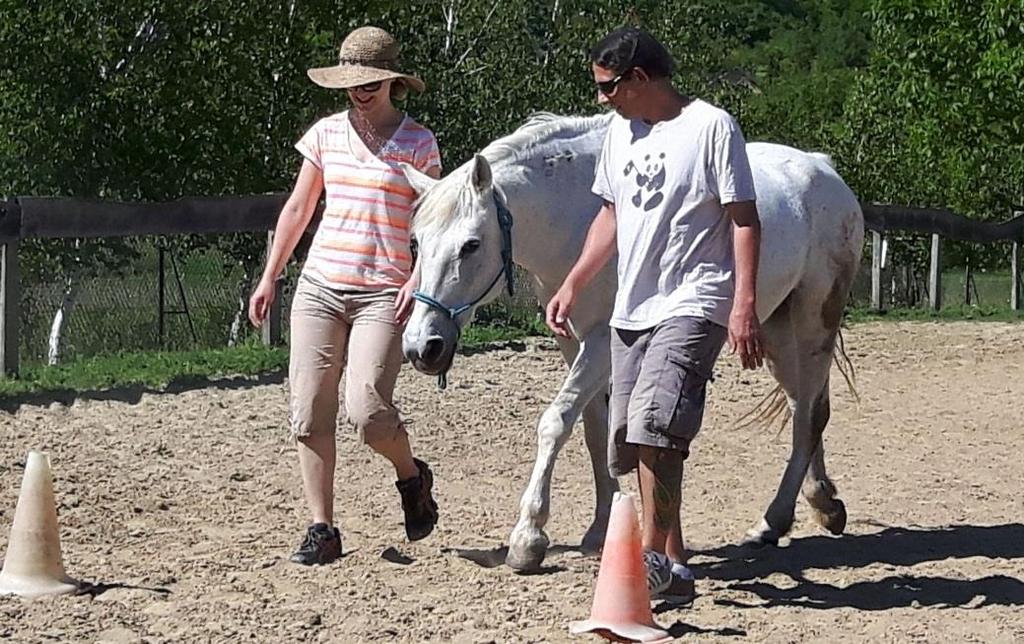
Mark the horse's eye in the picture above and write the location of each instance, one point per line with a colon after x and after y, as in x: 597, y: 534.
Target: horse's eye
x: 469, y: 247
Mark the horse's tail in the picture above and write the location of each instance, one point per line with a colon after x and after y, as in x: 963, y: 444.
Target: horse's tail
x: 845, y: 367
x: 774, y: 407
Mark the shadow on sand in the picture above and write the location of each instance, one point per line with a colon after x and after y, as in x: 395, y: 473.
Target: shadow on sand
x: 746, y: 568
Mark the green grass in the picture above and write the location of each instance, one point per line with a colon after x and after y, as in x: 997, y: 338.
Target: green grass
x: 151, y: 369
x: 158, y: 369
x: 479, y: 335
x: 949, y: 314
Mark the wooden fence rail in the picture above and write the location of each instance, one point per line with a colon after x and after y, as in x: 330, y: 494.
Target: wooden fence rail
x: 58, y: 217
x: 940, y: 223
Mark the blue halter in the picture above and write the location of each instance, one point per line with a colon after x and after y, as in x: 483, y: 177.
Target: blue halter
x: 453, y: 312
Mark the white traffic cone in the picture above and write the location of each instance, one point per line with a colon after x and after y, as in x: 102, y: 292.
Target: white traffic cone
x: 33, y: 565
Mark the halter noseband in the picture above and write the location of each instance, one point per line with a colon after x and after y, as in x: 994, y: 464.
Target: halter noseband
x: 453, y: 312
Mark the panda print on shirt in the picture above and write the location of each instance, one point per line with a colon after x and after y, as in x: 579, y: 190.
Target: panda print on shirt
x: 650, y: 181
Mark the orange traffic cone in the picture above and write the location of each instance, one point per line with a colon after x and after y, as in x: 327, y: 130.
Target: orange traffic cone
x: 33, y: 565
x: 622, y: 603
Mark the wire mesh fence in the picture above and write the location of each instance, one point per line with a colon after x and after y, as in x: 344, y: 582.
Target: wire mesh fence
x: 121, y: 311
x: 904, y: 285
x: 205, y: 295
x: 203, y: 306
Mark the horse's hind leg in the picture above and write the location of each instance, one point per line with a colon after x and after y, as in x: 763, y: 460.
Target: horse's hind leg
x: 800, y: 351
x: 818, y: 489
x: 783, y: 362
x: 595, y: 427
x: 587, y: 376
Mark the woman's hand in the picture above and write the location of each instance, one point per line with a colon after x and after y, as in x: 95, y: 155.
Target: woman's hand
x: 259, y: 303
x: 404, y: 301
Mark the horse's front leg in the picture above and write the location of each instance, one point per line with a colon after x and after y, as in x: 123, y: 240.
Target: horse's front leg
x: 595, y: 428
x: 528, y: 543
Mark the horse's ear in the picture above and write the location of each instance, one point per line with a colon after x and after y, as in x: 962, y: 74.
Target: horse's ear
x: 481, y: 173
x: 419, y: 181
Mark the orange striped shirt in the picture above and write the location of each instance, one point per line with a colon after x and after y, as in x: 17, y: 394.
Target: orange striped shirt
x: 363, y: 241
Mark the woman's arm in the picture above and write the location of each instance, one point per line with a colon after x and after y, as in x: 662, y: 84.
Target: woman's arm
x: 291, y: 223
x: 294, y: 218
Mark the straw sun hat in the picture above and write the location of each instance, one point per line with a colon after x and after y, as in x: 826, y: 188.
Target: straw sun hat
x: 367, y: 55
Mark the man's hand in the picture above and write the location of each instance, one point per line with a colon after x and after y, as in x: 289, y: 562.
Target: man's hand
x: 745, y: 336
x: 558, y: 310
x: 598, y: 248
x: 744, y: 328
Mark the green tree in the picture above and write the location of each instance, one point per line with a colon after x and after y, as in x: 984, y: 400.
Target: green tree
x: 934, y: 119
x: 789, y: 82
x: 140, y: 101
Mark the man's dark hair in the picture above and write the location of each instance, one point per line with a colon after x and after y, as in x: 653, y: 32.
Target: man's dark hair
x: 629, y: 47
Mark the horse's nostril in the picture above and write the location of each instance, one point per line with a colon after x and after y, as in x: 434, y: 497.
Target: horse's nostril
x: 433, y: 350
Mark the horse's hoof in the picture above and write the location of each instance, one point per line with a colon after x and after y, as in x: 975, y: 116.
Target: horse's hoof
x: 593, y: 540
x: 752, y: 540
x: 527, y: 555
x: 761, y: 536
x: 834, y: 521
x: 528, y: 561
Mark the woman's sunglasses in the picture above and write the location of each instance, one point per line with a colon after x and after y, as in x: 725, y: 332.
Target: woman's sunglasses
x: 369, y: 88
x: 608, y: 87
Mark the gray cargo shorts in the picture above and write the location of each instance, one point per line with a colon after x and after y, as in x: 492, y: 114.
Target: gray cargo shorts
x: 658, y: 386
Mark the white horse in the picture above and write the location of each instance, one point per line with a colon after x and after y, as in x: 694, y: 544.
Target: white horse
x: 541, y: 174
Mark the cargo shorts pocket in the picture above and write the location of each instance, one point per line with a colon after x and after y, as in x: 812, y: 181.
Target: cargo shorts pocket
x: 678, y: 409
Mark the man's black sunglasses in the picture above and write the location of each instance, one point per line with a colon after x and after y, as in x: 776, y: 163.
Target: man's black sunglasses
x: 608, y: 87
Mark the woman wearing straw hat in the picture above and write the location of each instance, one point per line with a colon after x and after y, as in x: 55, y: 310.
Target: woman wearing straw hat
x: 353, y: 293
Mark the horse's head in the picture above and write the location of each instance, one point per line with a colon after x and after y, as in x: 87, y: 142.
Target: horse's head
x: 461, y: 227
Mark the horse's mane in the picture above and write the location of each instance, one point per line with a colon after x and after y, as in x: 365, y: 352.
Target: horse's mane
x: 539, y: 130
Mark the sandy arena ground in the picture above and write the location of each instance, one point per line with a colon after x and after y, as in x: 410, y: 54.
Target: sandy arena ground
x: 182, y: 508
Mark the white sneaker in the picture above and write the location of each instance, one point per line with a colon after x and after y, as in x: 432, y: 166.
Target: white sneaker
x: 667, y: 581
x: 659, y: 572
x: 681, y: 589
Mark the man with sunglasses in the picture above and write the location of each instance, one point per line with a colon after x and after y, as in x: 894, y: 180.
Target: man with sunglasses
x: 679, y: 210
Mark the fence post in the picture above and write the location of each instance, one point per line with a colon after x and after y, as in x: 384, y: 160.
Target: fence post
x: 935, y: 274
x: 876, y: 270
x: 10, y: 308
x: 272, y: 325
x: 968, y: 276
x: 1015, y: 294
x: 161, y: 282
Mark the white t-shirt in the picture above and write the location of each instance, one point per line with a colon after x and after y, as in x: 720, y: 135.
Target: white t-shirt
x: 669, y: 183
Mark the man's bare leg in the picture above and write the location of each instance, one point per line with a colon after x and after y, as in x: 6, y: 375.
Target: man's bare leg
x: 675, y: 547
x: 661, y: 477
